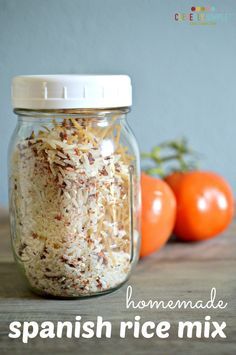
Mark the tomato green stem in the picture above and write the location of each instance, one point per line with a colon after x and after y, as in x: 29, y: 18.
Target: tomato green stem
x: 171, y: 151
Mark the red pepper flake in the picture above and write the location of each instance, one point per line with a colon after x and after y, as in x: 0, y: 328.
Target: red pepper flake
x: 63, y: 185
x: 76, y: 150
x: 102, y: 256
x: 63, y: 136
x: 34, y: 235
x: 93, y: 195
x: 63, y: 259
x: 99, y: 282
x: 58, y: 217
x: 104, y: 172
x: 91, y: 158
x: 45, y: 251
x: 67, y: 123
x: 71, y: 265
x: 117, y: 167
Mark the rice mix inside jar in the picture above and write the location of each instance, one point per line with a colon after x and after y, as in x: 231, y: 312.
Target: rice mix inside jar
x: 74, y: 184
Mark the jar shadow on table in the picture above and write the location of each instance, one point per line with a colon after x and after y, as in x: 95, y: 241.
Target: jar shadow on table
x: 13, y: 286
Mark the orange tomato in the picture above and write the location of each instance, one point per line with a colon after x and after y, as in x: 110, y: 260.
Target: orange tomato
x: 158, y: 214
x: 205, y: 204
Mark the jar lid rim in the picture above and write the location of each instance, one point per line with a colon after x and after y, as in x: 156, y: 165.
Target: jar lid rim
x: 71, y: 91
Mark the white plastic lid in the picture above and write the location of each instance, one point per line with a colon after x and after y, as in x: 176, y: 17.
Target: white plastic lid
x: 71, y: 91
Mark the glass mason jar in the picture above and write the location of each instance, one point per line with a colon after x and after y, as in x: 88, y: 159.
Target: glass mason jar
x: 74, y: 190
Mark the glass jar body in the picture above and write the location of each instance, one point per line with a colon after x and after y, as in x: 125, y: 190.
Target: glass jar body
x: 74, y: 198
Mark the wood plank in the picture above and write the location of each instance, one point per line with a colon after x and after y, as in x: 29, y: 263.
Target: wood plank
x: 179, y: 271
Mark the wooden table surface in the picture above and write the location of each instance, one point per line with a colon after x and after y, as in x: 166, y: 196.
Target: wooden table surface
x: 179, y: 271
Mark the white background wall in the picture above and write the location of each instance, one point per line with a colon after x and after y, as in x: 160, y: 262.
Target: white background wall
x: 184, y: 76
